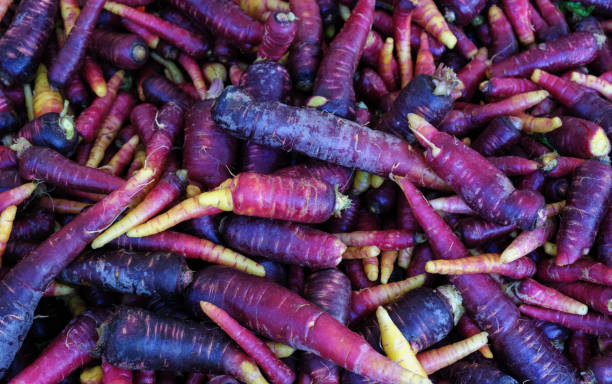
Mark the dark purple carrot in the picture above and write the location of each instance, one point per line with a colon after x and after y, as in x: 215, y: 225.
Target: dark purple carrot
x: 467, y: 48
x: 557, y: 55
x: 138, y: 339
x: 77, y: 94
x: 504, y: 43
x: 579, y: 350
x: 24, y: 42
x: 135, y: 273
x: 159, y: 91
x: 515, y: 339
x: 604, y: 241
x: 370, y: 86
x: 532, y: 147
x: 595, y: 296
x: 462, y: 12
x: 583, y: 270
x: 54, y: 130
x: 579, y: 138
x: 514, y: 165
x: 503, y: 87
x: 224, y: 18
x: 9, y: 121
x: 464, y: 169
x: 330, y: 289
x: 70, y: 57
x: 466, y: 372
x: 601, y: 368
x: 593, y: 324
x: 311, y: 328
x: 306, y: 48
x: 125, y: 51
x: 361, y: 148
x: 382, y: 199
x: 35, y: 226
x: 337, y: 176
x: 285, y: 242
x: 586, y: 206
x: 40, y: 163
x: 603, y: 63
x: 556, y: 189
x: 71, y: 349
x: 554, y: 18
x: 473, y: 73
x: 23, y: 286
x: 280, y: 29
x: 8, y: 158
x: 429, y: 96
x: 501, y: 134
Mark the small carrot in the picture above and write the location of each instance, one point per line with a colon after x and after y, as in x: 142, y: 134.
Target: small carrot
x: 16, y: 195
x: 593, y: 82
x: 402, y: 17
x: 503, y: 87
x: 70, y: 11
x: 485, y: 263
x: 533, y: 124
x: 451, y: 204
x: 62, y: 206
x: 366, y: 252
x: 428, y: 16
x: 436, y: 359
x: 192, y: 68
x: 468, y: 328
x: 473, y: 73
x: 371, y: 267
x: 424, y: 63
x: 387, y: 261
x: 528, y: 241
x: 385, y: 68
x: 46, y: 99
x: 533, y: 293
x: 122, y: 158
x: 7, y: 216
x: 385, y: 240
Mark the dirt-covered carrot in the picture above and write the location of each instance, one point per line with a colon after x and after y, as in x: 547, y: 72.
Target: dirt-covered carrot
x: 473, y: 73
x: 397, y: 155
x: 528, y: 241
x: 436, y: 359
x: 34, y: 272
x: 485, y: 263
x: 126, y: 51
x: 92, y: 73
x: 580, y: 138
x: 593, y: 324
x: 531, y: 292
x: 428, y: 16
x: 366, y: 300
x: 333, y: 86
x: 7, y: 216
x: 278, y: 371
x: 424, y: 64
x: 503, y: 87
x: 16, y: 196
x: 70, y: 56
x: 70, y: 350
x: 138, y: 339
x: 24, y: 42
x: 586, y: 206
x: 90, y: 120
x: 46, y: 99
x: 509, y: 205
x: 40, y: 163
x: 595, y: 296
x: 402, y: 17
x: 494, y: 312
x: 385, y: 240
x: 573, y: 50
x: 281, y: 304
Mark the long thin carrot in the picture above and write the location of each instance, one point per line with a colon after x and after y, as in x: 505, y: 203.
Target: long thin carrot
x: 436, y: 359
x: 6, y: 224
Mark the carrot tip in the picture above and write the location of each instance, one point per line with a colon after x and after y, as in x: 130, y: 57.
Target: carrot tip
x: 447, y: 38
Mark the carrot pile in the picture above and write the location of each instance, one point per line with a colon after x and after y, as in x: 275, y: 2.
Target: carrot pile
x: 305, y: 191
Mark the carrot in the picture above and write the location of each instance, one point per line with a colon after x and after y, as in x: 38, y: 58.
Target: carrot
x: 160, y: 91
x: 23, y: 43
x: 94, y: 77
x: 77, y: 94
x: 333, y: 88
x: 467, y: 328
x: 531, y: 292
x: 521, y: 207
x: 46, y: 99
x: 518, y: 13
x: 280, y: 304
x: 125, y: 51
x: 70, y: 56
x: 464, y: 45
x: 62, y: 206
x: 122, y: 158
x: 212, y: 71
x: 528, y: 241
x: 592, y: 324
x: 595, y: 296
x: 16, y: 196
x: 584, y: 270
x: 603, y: 63
x: 477, y: 372
x: 151, y: 39
x: 306, y: 49
x: 586, y: 206
x: 192, y: 68
x: 473, y: 73
x: 223, y: 18
x: 9, y: 121
x: 485, y: 263
x: 56, y: 289
x: 385, y: 240
x: 554, y: 165
x: 70, y: 10
x: 386, y: 65
x: 67, y: 352
x: 7, y: 216
x: 279, y: 32
x: 503, y: 87
x: 355, y: 152
x: 579, y: 350
x: 605, y: 239
x: 366, y: 300
x: 593, y: 82
x: 451, y: 204
x: 424, y: 64
x: 462, y: 12
x: 427, y: 15
x: 514, y: 338
x: 133, y: 339
x: 190, y: 247
x: 366, y: 252
x: 579, y: 138
x: 436, y: 359
x: 8, y: 158
x: 168, y: 124
x: 115, y: 375
x: 402, y: 17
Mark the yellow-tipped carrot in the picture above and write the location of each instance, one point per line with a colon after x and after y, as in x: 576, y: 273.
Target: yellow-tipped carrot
x: 424, y: 64
x: 451, y: 204
x: 600, y: 85
x: 212, y: 71
x: 56, y: 289
x: 361, y: 181
x: 91, y: 375
x: 70, y: 11
x: 6, y: 225
x: 533, y: 293
x: 385, y: 64
x: 428, y: 16
x: 528, y: 241
x: 468, y: 328
x: 404, y: 257
x: 436, y: 359
x: 94, y: 76
x: 395, y: 345
x: 122, y: 158
x: 138, y: 161
x: 29, y: 101
x: 385, y: 240
x: 371, y: 268
x: 376, y: 181
x: 387, y: 261
x: 533, y: 124
x: 46, y: 99
x: 62, y: 206
x: 485, y: 263
x: 16, y: 195
x: 194, y: 71
x: 367, y: 299
x: 401, y: 35
x: 550, y: 248
x: 361, y: 252
x: 280, y: 350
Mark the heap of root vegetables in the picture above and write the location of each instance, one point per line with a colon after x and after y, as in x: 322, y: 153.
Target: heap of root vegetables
x: 311, y: 191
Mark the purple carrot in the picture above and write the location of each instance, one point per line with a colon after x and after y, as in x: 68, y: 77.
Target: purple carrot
x: 579, y: 138
x: 501, y: 133
x: 306, y: 48
x: 592, y: 324
x: 595, y: 296
x: 583, y: 270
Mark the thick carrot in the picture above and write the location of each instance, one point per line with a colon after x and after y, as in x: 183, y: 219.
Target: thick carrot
x: 579, y: 138
x: 488, y: 187
x: 23, y: 286
x: 464, y: 45
x: 53, y: 130
x: 585, y: 209
x: 515, y: 339
x: 435, y: 359
x: 428, y: 16
x: 333, y: 84
x: 566, y: 52
x: 24, y: 42
x: 593, y: 324
x: 138, y: 339
x: 531, y: 292
x: 308, y: 330
x: 126, y: 51
x: 583, y: 270
x: 46, y: 99
x: 70, y: 350
x: 380, y: 153
x: 70, y: 57
x: 485, y: 263
x: 279, y: 32
x: 503, y: 87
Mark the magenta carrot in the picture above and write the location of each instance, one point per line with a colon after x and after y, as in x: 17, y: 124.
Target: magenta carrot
x: 24, y: 42
x: 115, y: 375
x: 518, y: 13
x: 503, y: 87
x: 385, y: 240
x: 402, y: 17
x: 485, y: 263
x: 333, y: 84
x: 514, y: 165
x: 534, y: 293
x: 583, y: 270
x: 92, y: 73
x: 593, y: 324
x: 428, y: 16
x: 16, y: 196
x: 159, y: 91
x: 39, y: 267
x: 595, y: 296
x: 192, y: 68
x: 585, y: 209
x: 504, y: 43
x: 473, y: 73
x: 122, y: 158
x: 391, y: 153
x: 504, y: 204
x: 70, y: 350
x: 126, y: 51
x: 424, y: 64
x: 62, y: 206
x: 605, y: 239
x: 528, y: 241
x: 282, y: 304
x: 385, y: 64
x: 280, y: 29
x: 579, y: 138
x: 554, y: 165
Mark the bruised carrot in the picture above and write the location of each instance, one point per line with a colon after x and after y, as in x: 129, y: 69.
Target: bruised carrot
x: 23, y: 43
x: 46, y: 99
x: 428, y: 16
x: 356, y: 152
x: 579, y: 138
x: 595, y: 296
x: 385, y: 240
x: 94, y: 77
x: 592, y: 324
x: 424, y: 64
x: 528, y: 241
x: 586, y: 206
x: 436, y: 359
x: 534, y: 293
x: 7, y: 216
x: 126, y: 51
x: 70, y: 56
x: 52, y: 256
x: 281, y: 303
